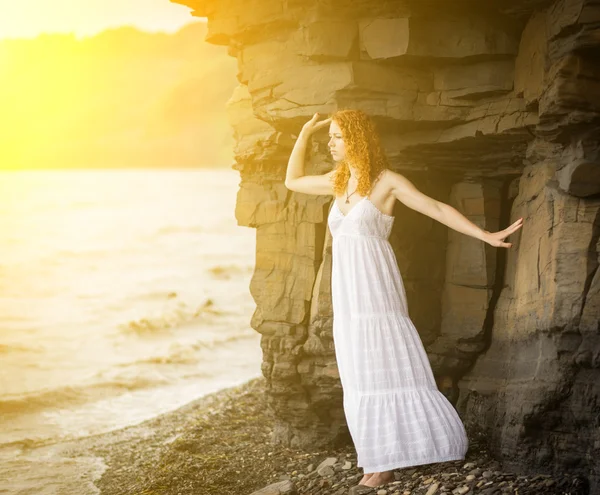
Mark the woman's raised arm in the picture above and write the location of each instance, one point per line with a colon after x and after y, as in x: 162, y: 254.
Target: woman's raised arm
x: 295, y: 180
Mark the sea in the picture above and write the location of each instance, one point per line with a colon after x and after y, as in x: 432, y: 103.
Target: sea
x: 124, y: 294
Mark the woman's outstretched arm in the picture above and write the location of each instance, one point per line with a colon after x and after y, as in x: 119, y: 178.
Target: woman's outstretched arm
x: 408, y: 194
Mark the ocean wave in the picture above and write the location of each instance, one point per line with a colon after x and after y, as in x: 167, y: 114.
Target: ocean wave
x: 8, y: 348
x: 158, y: 294
x: 63, y: 255
x: 188, y: 354
x: 225, y: 272
x: 172, y: 318
x: 71, y: 395
x: 29, y: 444
x: 180, y: 229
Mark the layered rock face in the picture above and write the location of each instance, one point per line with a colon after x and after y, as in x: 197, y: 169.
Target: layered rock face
x: 492, y: 107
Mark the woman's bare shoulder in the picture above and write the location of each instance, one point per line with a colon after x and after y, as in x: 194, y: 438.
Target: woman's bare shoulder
x: 388, y: 178
x: 395, y: 184
x: 387, y: 175
x: 395, y: 179
x: 390, y: 174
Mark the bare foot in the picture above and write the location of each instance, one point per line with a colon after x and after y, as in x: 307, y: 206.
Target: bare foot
x: 380, y: 479
x: 365, y: 478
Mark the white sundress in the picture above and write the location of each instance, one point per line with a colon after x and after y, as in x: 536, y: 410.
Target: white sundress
x: 396, y: 415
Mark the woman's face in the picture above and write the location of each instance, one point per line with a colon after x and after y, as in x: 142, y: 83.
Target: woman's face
x: 336, y: 142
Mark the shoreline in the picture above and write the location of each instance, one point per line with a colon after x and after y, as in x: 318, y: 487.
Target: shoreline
x: 219, y: 444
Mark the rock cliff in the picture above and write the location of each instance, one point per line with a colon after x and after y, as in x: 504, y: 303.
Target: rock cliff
x: 492, y: 107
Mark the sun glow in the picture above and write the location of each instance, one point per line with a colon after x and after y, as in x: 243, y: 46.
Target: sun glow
x: 121, y: 98
x: 29, y: 18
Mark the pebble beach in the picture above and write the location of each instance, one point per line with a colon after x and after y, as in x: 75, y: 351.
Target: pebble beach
x: 220, y: 444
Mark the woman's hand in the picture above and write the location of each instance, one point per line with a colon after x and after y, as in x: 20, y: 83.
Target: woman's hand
x: 496, y: 238
x: 312, y: 125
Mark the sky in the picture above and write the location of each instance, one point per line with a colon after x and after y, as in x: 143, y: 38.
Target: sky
x: 29, y: 18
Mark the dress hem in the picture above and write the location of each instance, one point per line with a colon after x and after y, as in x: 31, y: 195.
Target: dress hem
x: 402, y: 464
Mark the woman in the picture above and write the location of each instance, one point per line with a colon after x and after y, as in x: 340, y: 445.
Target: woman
x: 396, y: 415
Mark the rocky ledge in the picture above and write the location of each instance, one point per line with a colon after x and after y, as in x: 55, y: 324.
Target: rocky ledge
x: 221, y: 445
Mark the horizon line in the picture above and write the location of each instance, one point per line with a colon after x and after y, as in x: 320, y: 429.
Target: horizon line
x: 81, y: 37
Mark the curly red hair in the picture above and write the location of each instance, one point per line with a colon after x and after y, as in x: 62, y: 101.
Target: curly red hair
x: 363, y: 150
